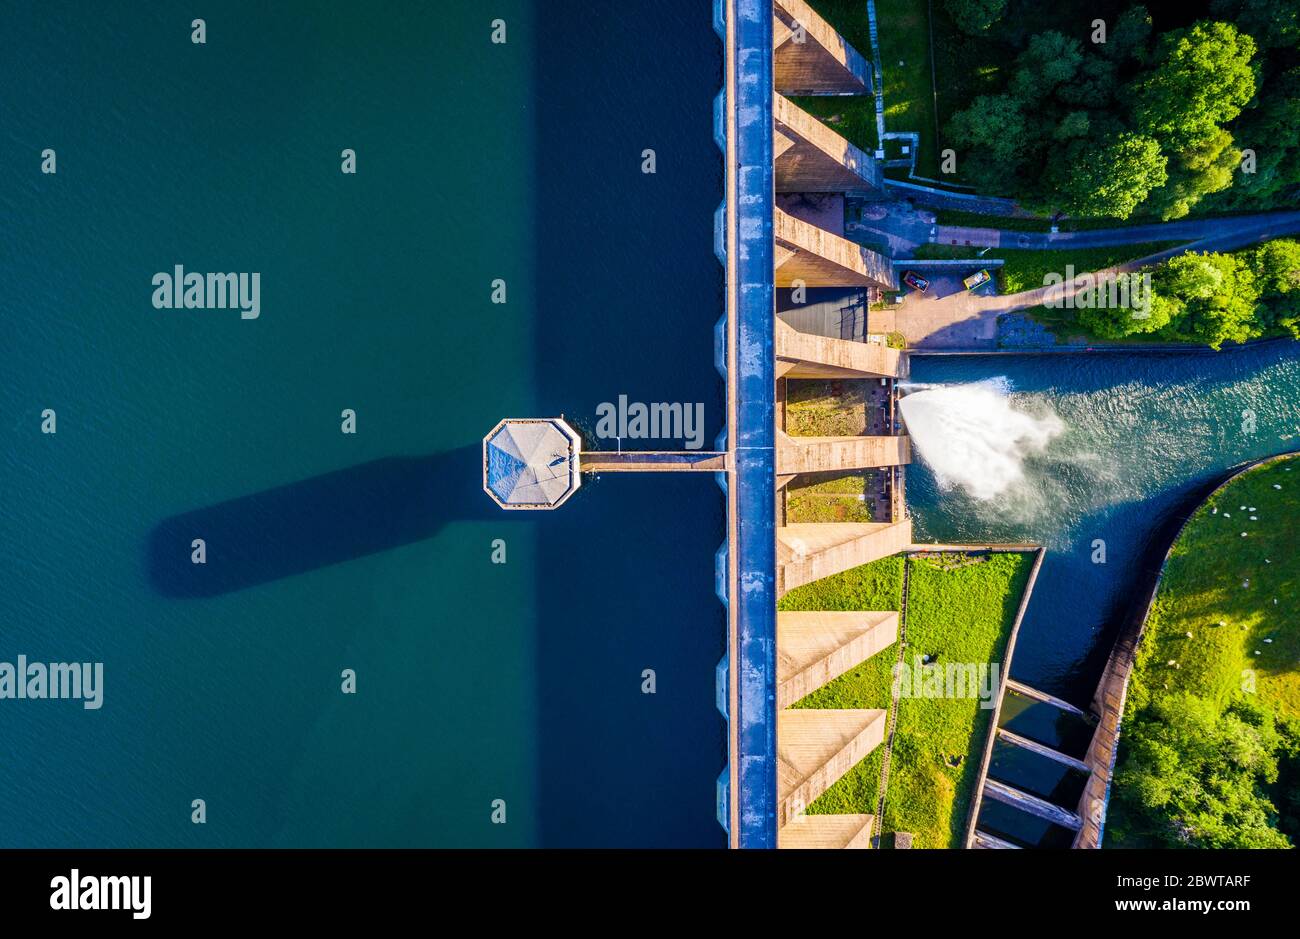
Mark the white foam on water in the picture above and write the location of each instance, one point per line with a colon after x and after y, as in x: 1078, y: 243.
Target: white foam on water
x: 973, y: 437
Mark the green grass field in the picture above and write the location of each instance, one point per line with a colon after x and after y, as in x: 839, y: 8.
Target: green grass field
x: 904, y: 30
x: 875, y: 586
x: 1249, y: 585
x: 907, y: 87
x: 961, y: 615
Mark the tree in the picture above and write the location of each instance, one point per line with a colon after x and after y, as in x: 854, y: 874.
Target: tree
x: 1271, y: 132
x: 1214, y: 298
x: 992, y: 132
x: 1093, y: 85
x: 1202, y: 78
x: 1050, y: 59
x: 1072, y: 126
x: 1100, y: 177
x: 1203, y: 169
x: 975, y: 16
x: 1195, y: 777
x: 1117, y: 322
x: 1274, y: 24
x: 1276, y: 266
x: 1128, y: 40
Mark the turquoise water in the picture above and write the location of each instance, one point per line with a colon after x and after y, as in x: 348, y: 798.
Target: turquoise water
x: 1143, y: 435
x: 475, y: 681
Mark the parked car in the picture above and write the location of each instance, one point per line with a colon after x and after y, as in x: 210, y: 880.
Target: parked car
x: 978, y: 279
x: 916, y: 281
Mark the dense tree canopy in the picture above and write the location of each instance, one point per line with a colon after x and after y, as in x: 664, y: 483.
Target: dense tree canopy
x: 1214, y: 298
x: 1197, y: 778
x: 1128, y: 40
x: 975, y: 16
x: 992, y: 131
x: 1200, y: 79
x: 1107, y: 176
x: 1269, y: 133
x: 1075, y: 113
x: 1273, y: 23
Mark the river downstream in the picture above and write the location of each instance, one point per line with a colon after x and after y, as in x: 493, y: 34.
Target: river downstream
x: 1110, y: 446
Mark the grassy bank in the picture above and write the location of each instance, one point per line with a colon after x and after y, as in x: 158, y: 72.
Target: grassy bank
x: 961, y: 219
x: 904, y: 30
x: 1214, y: 699
x: 826, y: 407
x: 961, y: 614
x: 1025, y: 269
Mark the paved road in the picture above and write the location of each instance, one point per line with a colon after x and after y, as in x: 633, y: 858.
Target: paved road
x: 1232, y: 231
x: 906, y: 228
x: 969, y: 320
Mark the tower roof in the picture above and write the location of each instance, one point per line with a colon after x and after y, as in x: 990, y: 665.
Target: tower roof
x: 531, y: 463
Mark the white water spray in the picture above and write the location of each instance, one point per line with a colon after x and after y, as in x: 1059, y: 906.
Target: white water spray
x: 973, y: 437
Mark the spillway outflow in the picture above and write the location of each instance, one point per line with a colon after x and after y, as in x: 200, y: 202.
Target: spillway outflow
x: 973, y: 437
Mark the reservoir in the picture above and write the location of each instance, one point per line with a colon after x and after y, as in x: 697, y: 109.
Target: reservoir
x: 476, y: 682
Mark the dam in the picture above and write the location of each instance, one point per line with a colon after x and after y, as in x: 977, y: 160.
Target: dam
x: 773, y: 232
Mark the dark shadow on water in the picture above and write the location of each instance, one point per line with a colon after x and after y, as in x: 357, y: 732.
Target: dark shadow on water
x: 313, y: 523
x: 629, y: 291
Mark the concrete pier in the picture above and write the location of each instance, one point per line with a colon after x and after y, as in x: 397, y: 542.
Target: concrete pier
x: 811, y: 58
x: 813, y: 550
x: 982, y: 839
x: 804, y: 355
x: 814, y: 648
x: 816, y: 747
x: 1044, y: 697
x: 810, y: 157
x: 826, y: 832
x: 828, y: 454
x: 1009, y: 795
x: 1034, y: 746
x: 818, y: 258
x: 654, y: 461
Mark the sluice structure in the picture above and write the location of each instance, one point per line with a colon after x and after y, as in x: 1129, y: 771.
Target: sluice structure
x: 781, y: 225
